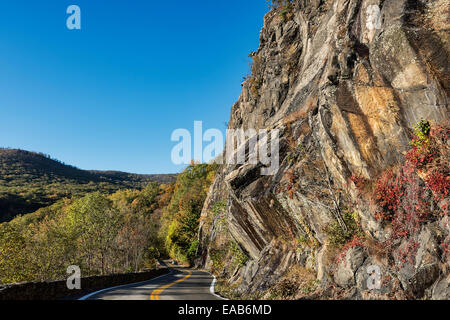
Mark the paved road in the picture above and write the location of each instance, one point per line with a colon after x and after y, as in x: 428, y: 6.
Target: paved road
x: 180, y: 284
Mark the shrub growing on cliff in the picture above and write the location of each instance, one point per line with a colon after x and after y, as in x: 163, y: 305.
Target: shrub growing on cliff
x: 421, y: 153
x: 422, y: 134
x: 218, y: 259
x: 418, y: 191
x: 387, y: 194
x: 297, y: 282
x: 240, y: 258
x: 218, y: 207
x: 339, y: 234
x: 285, y: 7
x: 425, y: 170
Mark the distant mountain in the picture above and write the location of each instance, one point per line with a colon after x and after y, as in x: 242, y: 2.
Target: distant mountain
x: 133, y: 177
x: 29, y: 181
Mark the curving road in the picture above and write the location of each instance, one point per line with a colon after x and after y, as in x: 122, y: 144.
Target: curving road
x: 180, y: 284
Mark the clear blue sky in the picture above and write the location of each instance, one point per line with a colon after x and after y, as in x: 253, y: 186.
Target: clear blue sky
x: 108, y: 96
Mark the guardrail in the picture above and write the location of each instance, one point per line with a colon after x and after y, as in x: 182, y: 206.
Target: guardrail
x: 56, y: 290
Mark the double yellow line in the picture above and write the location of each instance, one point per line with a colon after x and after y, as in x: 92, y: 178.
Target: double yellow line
x: 155, y: 294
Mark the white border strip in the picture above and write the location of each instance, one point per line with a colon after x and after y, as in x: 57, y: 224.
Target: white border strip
x: 122, y: 286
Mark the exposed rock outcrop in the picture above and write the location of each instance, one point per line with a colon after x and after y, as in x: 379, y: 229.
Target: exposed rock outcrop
x: 344, y: 81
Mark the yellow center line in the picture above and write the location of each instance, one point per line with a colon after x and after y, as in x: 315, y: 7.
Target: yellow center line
x: 155, y: 294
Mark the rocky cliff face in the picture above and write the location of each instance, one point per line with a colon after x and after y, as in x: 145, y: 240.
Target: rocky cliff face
x: 344, y: 81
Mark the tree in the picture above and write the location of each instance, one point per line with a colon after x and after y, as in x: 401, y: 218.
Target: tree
x: 95, y: 223
x: 13, y: 260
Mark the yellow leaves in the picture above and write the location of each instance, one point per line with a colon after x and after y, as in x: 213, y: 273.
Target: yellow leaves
x: 182, y: 214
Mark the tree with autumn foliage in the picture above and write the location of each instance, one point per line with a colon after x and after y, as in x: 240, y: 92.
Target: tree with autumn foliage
x: 182, y: 215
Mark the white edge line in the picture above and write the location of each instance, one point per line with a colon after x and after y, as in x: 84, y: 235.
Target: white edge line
x: 213, y: 291
x: 121, y: 286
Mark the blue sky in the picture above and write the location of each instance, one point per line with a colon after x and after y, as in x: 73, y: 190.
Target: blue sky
x: 108, y: 96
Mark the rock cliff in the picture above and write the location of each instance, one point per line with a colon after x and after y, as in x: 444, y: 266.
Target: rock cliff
x: 345, y: 82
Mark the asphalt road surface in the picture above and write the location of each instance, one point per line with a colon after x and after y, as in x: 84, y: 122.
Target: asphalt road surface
x: 180, y: 284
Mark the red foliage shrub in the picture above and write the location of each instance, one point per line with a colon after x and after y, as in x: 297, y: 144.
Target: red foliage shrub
x: 405, y: 199
x: 387, y: 194
x: 360, y: 182
x: 439, y: 183
x: 413, y: 204
x: 420, y: 157
x: 357, y: 241
x: 441, y: 132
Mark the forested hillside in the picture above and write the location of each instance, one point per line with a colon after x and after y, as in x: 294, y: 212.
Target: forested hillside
x: 29, y: 181
x: 103, y: 234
